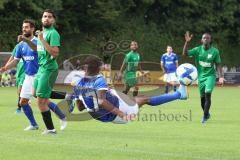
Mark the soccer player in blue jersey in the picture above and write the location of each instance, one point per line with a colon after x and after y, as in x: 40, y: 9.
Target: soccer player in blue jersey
x: 30, y: 60
x: 30, y: 64
x: 169, y: 64
x: 106, y: 105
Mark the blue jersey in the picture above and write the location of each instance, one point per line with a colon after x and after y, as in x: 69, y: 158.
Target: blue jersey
x: 29, y: 57
x: 169, y: 62
x: 86, y: 89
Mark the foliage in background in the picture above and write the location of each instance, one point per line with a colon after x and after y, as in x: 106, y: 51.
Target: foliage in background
x: 86, y: 25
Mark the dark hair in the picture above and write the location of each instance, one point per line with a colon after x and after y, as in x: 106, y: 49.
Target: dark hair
x: 93, y: 64
x: 50, y: 11
x: 206, y: 33
x: 134, y: 42
x: 31, y: 22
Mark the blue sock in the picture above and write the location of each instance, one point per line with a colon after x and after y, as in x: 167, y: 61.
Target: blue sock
x: 157, y: 100
x: 56, y: 110
x: 166, y: 88
x: 29, y: 113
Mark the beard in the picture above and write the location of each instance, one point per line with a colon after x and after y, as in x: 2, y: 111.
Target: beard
x: 47, y: 25
x: 27, y: 35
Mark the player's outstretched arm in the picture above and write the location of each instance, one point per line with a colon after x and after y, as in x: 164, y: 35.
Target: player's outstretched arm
x: 188, y: 38
x: 9, y: 65
x: 9, y: 60
x: 53, y: 50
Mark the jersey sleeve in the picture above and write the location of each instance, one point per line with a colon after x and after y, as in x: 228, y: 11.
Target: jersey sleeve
x: 217, y: 57
x: 175, y: 58
x: 54, y: 39
x: 162, y: 59
x: 101, y: 84
x: 192, y: 52
x: 18, y: 54
x: 127, y: 58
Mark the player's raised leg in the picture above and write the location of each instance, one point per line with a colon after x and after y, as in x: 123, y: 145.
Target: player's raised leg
x: 181, y: 93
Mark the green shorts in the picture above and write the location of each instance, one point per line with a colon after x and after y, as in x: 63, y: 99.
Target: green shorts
x: 19, y: 80
x: 206, y: 84
x: 44, y: 81
x: 130, y: 79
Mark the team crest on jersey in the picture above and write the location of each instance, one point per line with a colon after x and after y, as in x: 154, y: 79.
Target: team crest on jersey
x: 209, y: 56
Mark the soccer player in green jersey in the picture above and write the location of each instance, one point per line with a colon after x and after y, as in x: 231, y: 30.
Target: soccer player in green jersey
x: 206, y: 58
x: 130, y: 66
x: 20, y: 76
x: 48, y: 49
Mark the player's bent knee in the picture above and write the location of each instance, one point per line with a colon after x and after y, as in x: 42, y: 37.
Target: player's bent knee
x: 42, y: 104
x: 23, y: 101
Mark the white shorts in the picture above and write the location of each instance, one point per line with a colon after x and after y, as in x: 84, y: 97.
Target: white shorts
x: 127, y: 109
x: 27, y: 87
x: 170, y: 77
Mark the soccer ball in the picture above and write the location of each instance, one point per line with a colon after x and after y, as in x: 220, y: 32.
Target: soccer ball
x: 186, y: 74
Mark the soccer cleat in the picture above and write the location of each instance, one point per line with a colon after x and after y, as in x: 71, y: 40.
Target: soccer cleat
x: 29, y: 128
x: 63, y: 124
x: 18, y: 111
x: 204, y: 119
x: 183, y: 91
x: 46, y: 132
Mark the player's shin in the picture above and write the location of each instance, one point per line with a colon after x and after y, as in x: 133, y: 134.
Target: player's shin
x: 207, y: 104
x: 127, y: 88
x: 18, y: 110
x: 158, y: 100
x: 135, y: 93
x: 56, y: 110
x: 47, y: 118
x: 203, y: 102
x: 29, y: 114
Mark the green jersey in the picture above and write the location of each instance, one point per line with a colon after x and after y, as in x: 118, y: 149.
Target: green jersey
x: 46, y: 60
x: 20, y: 68
x: 205, y: 60
x: 132, y: 60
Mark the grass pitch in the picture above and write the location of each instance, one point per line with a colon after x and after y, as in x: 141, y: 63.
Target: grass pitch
x: 178, y: 135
